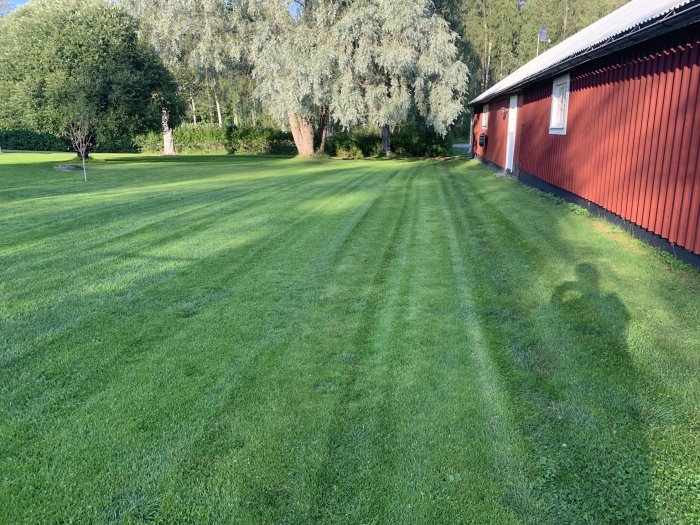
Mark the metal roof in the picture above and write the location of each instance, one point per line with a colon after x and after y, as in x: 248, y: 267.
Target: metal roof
x: 633, y: 22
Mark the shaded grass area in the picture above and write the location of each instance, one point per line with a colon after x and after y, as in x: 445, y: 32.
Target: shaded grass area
x: 247, y: 340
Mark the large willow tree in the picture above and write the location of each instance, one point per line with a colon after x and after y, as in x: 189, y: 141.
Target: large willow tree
x: 360, y: 62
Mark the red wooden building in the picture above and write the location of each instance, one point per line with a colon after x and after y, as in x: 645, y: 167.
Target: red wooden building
x: 610, y: 118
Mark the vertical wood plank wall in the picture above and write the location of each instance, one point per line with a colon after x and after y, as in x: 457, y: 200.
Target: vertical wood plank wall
x: 495, y: 151
x: 632, y: 139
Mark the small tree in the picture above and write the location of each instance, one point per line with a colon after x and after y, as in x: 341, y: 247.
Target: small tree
x: 81, y: 133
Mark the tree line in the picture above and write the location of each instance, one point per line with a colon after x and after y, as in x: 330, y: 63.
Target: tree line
x: 499, y: 36
x: 99, y: 72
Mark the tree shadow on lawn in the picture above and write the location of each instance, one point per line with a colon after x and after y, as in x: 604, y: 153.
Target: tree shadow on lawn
x: 139, y: 202
x: 223, y: 158
x: 144, y: 244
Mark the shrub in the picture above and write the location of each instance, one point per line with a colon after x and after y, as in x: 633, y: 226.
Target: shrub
x: 25, y: 139
x: 151, y: 142
x: 354, y: 145
x: 209, y: 138
x: 405, y: 143
x: 28, y: 140
x: 420, y: 143
x: 189, y: 138
x: 115, y: 144
x: 261, y: 141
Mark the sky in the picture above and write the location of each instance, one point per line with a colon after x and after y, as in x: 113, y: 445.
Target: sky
x: 17, y: 3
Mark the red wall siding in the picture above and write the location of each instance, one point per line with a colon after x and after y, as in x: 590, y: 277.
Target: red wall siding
x: 633, y: 136
x: 495, y: 150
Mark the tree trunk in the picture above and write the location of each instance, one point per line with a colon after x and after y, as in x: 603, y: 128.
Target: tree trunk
x: 303, y: 133
x: 254, y: 118
x: 168, y: 139
x: 194, y: 111
x: 84, y: 170
x: 486, y: 46
x: 323, y: 128
x: 386, y: 140
x: 218, y: 110
x: 488, y: 67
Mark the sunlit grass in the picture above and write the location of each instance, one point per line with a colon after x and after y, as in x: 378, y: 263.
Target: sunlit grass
x: 266, y: 340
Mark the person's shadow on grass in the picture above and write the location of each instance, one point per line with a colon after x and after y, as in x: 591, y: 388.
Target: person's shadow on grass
x: 597, y: 466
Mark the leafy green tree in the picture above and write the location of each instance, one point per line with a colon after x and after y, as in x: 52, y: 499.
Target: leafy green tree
x: 59, y: 58
x: 562, y: 18
x: 193, y: 37
x: 215, y: 51
x: 163, y: 23
x: 360, y: 62
x: 499, y: 36
x: 293, y: 63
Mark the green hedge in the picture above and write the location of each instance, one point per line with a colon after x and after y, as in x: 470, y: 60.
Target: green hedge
x: 116, y: 144
x: 420, y: 143
x: 354, y: 144
x: 151, y: 142
x: 262, y: 141
x: 189, y: 138
x: 25, y: 139
x: 193, y: 138
x: 28, y: 140
x: 208, y: 138
x: 405, y: 143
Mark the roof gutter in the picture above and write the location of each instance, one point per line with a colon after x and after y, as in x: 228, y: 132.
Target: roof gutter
x: 675, y: 19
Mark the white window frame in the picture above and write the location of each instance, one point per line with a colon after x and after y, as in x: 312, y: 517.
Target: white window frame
x: 485, y: 116
x: 558, y: 127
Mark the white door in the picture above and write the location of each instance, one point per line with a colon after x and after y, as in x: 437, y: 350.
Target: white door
x: 512, y: 121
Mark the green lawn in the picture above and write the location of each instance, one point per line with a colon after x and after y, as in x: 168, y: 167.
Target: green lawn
x: 262, y: 340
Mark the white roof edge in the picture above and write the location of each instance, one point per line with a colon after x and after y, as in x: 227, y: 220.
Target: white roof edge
x: 628, y: 17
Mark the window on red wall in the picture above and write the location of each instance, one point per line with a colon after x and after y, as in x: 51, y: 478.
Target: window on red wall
x: 485, y: 117
x: 560, y: 105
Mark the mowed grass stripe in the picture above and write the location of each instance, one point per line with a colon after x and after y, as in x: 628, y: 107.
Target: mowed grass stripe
x: 509, y: 457
x: 344, y: 479
x: 545, y: 377
x: 294, y: 386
